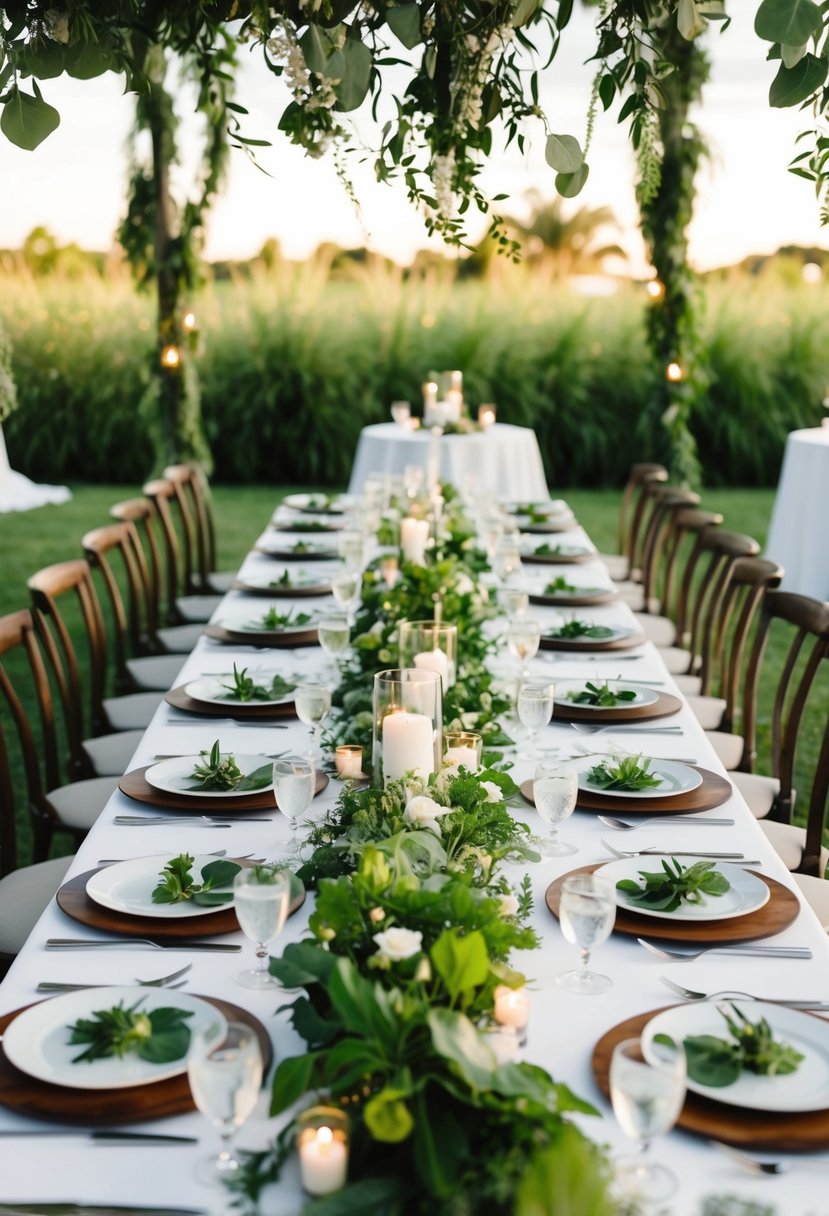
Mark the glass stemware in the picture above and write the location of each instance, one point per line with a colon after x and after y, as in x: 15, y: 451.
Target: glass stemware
x: 535, y: 709
x: 555, y: 791
x: 647, y: 1096
x: 313, y: 705
x: 587, y: 914
x: 523, y: 639
x: 334, y: 634
x: 506, y: 558
x: 513, y: 601
x: 261, y: 895
x: 346, y: 587
x: 351, y: 546
x: 294, y: 782
x: 225, y: 1072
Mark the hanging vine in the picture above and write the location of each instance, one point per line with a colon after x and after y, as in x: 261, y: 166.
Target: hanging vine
x: 666, y: 200
x: 8, y: 390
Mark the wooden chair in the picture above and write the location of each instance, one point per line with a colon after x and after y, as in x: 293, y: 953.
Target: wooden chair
x: 104, y: 751
x: 658, y: 547
x: 193, y: 498
x: 682, y: 549
x: 623, y: 564
x: 133, y: 630
x: 53, y: 805
x: 772, y: 797
x: 185, y: 598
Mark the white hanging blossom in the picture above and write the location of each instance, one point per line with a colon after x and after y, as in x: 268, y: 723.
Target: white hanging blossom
x: 443, y: 172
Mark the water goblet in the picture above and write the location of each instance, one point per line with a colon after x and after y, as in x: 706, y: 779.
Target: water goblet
x: 346, y: 587
x: 313, y: 705
x: 535, y: 709
x: 261, y: 894
x: 413, y: 478
x: 351, y: 546
x: 555, y: 790
x: 506, y: 558
x: 523, y: 639
x: 647, y: 1096
x: 401, y: 412
x: 334, y: 634
x: 513, y: 601
x: 224, y: 1068
x: 294, y: 783
x: 587, y: 914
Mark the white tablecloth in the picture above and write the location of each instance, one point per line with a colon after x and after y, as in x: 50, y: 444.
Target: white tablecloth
x: 504, y: 459
x: 563, y: 1027
x: 798, y: 533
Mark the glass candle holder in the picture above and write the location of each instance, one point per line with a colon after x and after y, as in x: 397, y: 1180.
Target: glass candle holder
x: 430, y: 647
x: 408, y: 724
x: 463, y: 747
x: 322, y: 1144
x: 348, y: 760
x: 512, y: 1008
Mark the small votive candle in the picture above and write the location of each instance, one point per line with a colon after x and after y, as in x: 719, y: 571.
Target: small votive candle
x: 463, y: 747
x: 486, y: 415
x: 322, y: 1143
x: 512, y: 1008
x: 348, y: 760
x: 389, y: 569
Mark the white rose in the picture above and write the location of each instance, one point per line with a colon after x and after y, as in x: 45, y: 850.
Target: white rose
x: 464, y: 584
x: 445, y: 777
x: 396, y: 944
x: 509, y: 905
x: 493, y: 791
x: 424, y: 812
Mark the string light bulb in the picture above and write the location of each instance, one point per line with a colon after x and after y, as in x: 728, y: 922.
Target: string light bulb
x: 171, y: 356
x: 188, y: 322
x: 655, y: 289
x: 674, y: 373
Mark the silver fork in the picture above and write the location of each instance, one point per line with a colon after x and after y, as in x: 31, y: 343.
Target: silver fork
x: 690, y: 994
x: 164, y: 981
x: 213, y: 821
x: 768, y: 1167
x: 112, y: 861
x: 624, y: 854
x: 622, y: 825
x: 584, y: 729
x: 687, y: 954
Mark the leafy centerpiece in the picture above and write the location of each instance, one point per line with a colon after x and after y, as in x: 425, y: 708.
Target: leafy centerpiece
x: 244, y: 688
x: 751, y: 1048
x: 627, y: 773
x: 219, y: 772
x: 601, y: 695
x: 667, y: 889
x: 177, y: 885
x: 158, y: 1036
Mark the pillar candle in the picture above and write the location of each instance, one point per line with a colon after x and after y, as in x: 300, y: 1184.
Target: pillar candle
x: 414, y: 533
x: 466, y: 756
x: 434, y: 660
x: 408, y: 743
x: 323, y: 1161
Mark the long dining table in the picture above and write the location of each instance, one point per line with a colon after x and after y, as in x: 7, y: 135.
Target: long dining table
x: 563, y: 1028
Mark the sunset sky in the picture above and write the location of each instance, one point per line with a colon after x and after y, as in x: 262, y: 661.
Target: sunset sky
x: 748, y: 202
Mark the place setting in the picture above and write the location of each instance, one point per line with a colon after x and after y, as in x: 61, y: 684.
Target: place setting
x: 318, y: 504
x: 250, y: 692
x: 561, y: 592
x: 273, y: 627
x: 609, y: 701
x: 302, y: 550
x: 555, y: 553
x: 582, y: 634
x: 284, y: 584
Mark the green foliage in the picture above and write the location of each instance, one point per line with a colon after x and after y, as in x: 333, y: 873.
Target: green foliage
x: 8, y: 391
x: 752, y: 1048
x: 665, y: 889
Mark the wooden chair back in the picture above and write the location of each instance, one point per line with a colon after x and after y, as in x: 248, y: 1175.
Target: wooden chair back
x: 807, y: 624
x: 192, y: 499
x: 179, y: 544
x: 682, y: 551
x: 667, y: 502
x: 133, y: 632
x: 748, y: 580
x: 141, y: 513
x: 631, y: 507
x: 723, y: 548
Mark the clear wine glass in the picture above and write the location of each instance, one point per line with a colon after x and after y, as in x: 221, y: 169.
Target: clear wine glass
x: 647, y: 1096
x: 261, y: 895
x: 313, y: 705
x: 587, y: 914
x: 535, y: 709
x: 351, y: 546
x: 506, y: 558
x: 513, y: 601
x: 523, y: 639
x: 294, y: 782
x: 346, y: 587
x: 555, y: 790
x: 334, y: 634
x: 224, y: 1068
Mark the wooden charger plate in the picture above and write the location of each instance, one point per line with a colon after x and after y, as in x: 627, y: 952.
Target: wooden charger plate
x: 775, y: 916
x: 303, y: 525
x: 288, y: 555
x: 664, y: 705
x: 240, y: 709
x: 714, y: 791
x: 98, y: 1107
x: 265, y: 637
x: 277, y: 593
x: 557, y: 559
x: 578, y: 644
x: 560, y: 600
x: 135, y: 785
x: 757, y: 1130
x: 564, y: 526
x: 74, y: 901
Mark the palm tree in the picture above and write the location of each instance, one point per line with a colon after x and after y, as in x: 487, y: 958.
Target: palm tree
x: 566, y: 243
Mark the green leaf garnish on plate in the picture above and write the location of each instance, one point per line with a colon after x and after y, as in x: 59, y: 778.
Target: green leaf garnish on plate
x: 176, y: 883
x: 158, y: 1036
x: 244, y: 688
x: 601, y: 695
x: 666, y: 889
x: 719, y: 1062
x: 581, y: 629
x: 273, y: 619
x: 215, y: 773
x: 561, y: 585
x: 626, y: 774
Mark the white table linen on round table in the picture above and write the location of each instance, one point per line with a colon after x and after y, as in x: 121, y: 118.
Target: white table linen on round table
x: 505, y: 459
x: 563, y: 1027
x: 798, y: 532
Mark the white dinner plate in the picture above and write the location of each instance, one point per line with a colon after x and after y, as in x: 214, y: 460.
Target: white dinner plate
x: 617, y: 632
x: 562, y: 550
x: 37, y: 1043
x: 212, y: 690
x: 578, y: 592
x: 174, y: 776
x: 128, y: 886
x: 675, y: 778
x: 301, y: 580
x: 251, y: 621
x: 746, y: 894
x: 284, y: 544
x: 323, y: 503
x: 644, y: 696
x: 805, y: 1089
x: 553, y: 508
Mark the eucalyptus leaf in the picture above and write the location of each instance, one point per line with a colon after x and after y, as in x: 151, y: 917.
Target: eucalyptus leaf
x: 793, y: 85
x: 259, y: 779
x: 569, y: 185
x: 27, y: 119
x: 42, y: 58
x: 792, y: 55
x: 86, y: 60
x: 353, y: 87
x: 789, y: 22
x: 404, y: 23
x: 563, y: 153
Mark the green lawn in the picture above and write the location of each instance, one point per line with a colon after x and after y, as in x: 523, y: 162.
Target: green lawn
x: 38, y: 538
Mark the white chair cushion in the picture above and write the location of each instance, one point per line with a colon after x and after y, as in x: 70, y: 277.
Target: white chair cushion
x: 180, y: 639
x: 133, y: 712
x: 24, y: 896
x: 220, y: 580
x: 197, y: 607
x: 657, y: 629
x: 676, y: 658
x: 789, y: 841
x: 690, y: 685
x: 632, y: 595
x: 707, y: 710
x: 729, y: 748
x: 816, y: 893
x: 110, y: 755
x: 79, y: 803
x: 759, y: 791
x: 156, y: 671
x: 617, y: 565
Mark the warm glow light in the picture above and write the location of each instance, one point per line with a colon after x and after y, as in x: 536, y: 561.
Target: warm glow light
x: 812, y: 272
x: 655, y: 289
x: 170, y: 356
x: 674, y: 373
x: 188, y: 321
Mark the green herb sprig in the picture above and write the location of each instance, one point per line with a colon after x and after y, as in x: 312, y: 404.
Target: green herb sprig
x: 581, y: 629
x: 244, y: 688
x: 215, y: 773
x: 601, y: 695
x: 627, y: 774
x: 561, y: 585
x: 177, y: 885
x: 158, y: 1036
x: 666, y: 889
x: 273, y: 619
x: 719, y: 1062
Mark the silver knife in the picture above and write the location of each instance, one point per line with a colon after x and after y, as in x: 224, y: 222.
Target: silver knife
x: 92, y: 1209
x: 81, y: 943
x: 106, y: 1137
x: 213, y: 820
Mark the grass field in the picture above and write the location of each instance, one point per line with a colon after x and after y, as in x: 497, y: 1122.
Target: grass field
x: 38, y: 538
